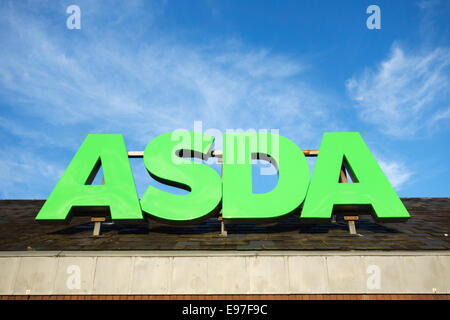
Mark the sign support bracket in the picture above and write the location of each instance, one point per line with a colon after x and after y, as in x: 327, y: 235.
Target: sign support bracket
x: 219, y: 155
x: 350, y: 219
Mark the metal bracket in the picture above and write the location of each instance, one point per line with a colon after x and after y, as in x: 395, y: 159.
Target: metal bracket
x: 351, y: 223
x: 219, y: 155
x: 350, y: 219
x: 97, y: 225
x: 223, y: 231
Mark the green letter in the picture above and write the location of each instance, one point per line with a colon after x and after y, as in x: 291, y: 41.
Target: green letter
x: 239, y: 201
x: 372, y: 187
x: 163, y: 163
x: 74, y: 189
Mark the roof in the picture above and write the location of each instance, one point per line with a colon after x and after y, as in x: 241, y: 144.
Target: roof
x: 427, y: 229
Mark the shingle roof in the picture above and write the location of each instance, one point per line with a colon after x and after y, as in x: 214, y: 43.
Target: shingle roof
x: 425, y: 230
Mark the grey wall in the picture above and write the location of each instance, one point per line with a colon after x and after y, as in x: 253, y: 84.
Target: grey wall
x: 45, y: 273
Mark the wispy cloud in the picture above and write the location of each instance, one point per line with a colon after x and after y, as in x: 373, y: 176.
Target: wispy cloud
x: 150, y: 88
x: 405, y: 94
x: 22, y: 171
x: 397, y: 173
x: 72, y: 84
x: 431, y: 12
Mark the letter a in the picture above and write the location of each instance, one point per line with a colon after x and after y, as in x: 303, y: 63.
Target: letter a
x: 74, y: 20
x: 74, y: 189
x: 373, y: 21
x: 372, y: 187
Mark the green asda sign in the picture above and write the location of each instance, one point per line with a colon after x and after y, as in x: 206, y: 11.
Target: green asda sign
x: 168, y: 159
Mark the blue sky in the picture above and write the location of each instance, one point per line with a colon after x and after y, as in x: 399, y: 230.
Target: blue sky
x: 143, y: 68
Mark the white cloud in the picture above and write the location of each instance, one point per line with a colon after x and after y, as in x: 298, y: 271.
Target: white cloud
x: 145, y: 89
x: 23, y: 170
x: 406, y: 94
x: 110, y: 79
x: 397, y: 173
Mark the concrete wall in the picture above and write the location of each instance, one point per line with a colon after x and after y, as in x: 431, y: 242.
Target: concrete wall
x: 212, y: 272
